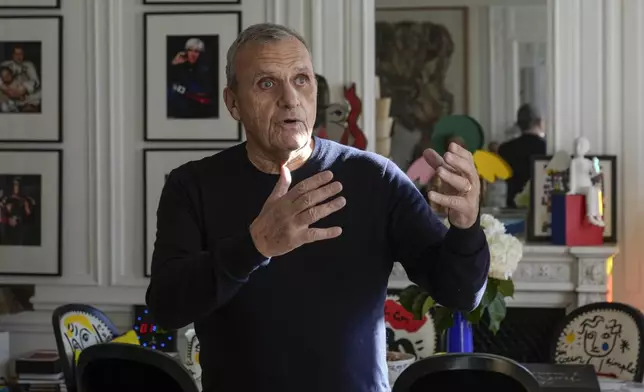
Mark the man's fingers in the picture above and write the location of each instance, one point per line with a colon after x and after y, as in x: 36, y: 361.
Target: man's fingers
x: 316, y: 196
x: 463, y: 165
x: 458, y: 182
x: 458, y: 203
x: 310, y: 184
x: 314, y: 214
x: 434, y: 160
x: 283, y: 183
x: 313, y: 235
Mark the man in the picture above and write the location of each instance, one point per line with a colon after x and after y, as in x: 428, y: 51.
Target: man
x: 517, y: 152
x: 279, y: 249
x: 190, y: 83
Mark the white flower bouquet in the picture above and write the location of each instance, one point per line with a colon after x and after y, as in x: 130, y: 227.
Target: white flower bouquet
x: 505, y: 253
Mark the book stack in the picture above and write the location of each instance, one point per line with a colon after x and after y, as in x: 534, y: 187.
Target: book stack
x: 383, y: 123
x: 40, y: 371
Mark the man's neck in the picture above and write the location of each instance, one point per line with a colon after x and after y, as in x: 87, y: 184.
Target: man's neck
x: 269, y: 162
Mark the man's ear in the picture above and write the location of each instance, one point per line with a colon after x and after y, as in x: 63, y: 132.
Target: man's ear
x: 231, y: 103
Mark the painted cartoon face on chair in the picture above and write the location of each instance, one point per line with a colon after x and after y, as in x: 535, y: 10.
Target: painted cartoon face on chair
x: 607, y: 339
x: 600, y: 335
x: 404, y: 334
x: 81, y: 330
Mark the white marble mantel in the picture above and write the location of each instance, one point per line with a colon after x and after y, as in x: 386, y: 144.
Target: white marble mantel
x: 552, y: 276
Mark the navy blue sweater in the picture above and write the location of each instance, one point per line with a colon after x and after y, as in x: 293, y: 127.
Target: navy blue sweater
x: 310, y: 320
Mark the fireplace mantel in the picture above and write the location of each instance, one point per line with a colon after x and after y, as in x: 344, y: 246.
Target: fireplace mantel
x: 552, y: 276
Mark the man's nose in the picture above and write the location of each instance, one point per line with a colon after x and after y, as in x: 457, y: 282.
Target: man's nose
x: 290, y: 97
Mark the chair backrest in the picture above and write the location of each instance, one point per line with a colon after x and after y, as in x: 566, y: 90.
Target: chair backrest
x: 607, y: 335
x: 466, y: 372
x: 191, y: 360
x: 126, y: 367
x: 404, y: 334
x: 76, y: 327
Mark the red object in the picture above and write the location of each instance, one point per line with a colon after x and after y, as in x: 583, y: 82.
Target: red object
x: 570, y: 225
x: 359, y: 138
x: 401, y: 319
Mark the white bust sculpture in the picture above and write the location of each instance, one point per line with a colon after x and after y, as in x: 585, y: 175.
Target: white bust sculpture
x: 582, y: 173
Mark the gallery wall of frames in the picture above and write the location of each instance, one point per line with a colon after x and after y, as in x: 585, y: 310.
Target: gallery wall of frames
x: 99, y: 101
x: 182, y: 65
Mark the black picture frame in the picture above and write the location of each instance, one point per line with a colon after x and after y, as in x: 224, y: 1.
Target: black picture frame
x: 58, y: 77
x: 531, y: 236
x: 56, y: 5
x: 148, y: 137
x: 149, y: 208
x: 58, y: 206
x: 210, y: 2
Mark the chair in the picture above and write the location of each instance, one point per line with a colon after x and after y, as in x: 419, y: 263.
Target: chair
x: 607, y: 335
x: 123, y: 367
x: 404, y: 334
x: 191, y: 350
x: 460, y: 372
x: 76, y: 327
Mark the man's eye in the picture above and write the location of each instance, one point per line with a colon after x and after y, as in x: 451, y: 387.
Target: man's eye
x: 300, y: 80
x: 266, y: 84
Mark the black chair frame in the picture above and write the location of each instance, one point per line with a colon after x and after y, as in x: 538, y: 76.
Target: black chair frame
x: 465, y: 361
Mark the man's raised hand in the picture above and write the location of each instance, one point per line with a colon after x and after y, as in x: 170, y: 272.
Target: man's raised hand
x: 283, y: 223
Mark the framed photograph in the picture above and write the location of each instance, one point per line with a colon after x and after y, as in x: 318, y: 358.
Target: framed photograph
x: 30, y: 212
x: 29, y: 4
x: 157, y: 165
x: 31, y: 79
x: 542, y: 185
x: 184, y: 76
x: 437, y: 76
x: 191, y: 2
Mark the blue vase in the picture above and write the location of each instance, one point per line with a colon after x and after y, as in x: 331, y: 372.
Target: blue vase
x: 459, y: 338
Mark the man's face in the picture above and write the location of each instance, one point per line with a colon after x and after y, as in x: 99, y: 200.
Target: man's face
x: 276, y: 94
x: 193, y: 56
x: 18, y: 55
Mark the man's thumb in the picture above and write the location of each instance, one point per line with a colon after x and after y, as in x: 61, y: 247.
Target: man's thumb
x: 283, y: 183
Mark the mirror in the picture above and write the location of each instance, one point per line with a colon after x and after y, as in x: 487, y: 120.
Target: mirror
x: 481, y: 58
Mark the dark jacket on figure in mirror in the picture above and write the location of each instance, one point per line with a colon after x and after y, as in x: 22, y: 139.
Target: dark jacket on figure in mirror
x: 310, y: 320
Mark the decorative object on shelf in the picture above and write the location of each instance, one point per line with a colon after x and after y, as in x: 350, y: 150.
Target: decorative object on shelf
x: 505, y: 253
x: 331, y: 118
x: 406, y: 334
x: 190, y: 2
x: 353, y: 135
x: 31, y: 72
x: 184, y: 73
x: 29, y: 4
x: 384, y: 123
x: 150, y: 334
x: 30, y: 212
x: 157, y: 165
x: 551, y: 181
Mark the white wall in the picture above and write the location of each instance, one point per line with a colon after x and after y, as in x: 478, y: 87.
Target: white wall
x: 494, y: 31
x: 103, y: 140
x: 598, y: 92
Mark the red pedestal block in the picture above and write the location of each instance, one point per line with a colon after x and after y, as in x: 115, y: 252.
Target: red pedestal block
x: 569, y: 224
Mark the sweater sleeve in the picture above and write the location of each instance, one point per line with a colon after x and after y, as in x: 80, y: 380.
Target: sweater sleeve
x: 192, y: 276
x: 451, y: 264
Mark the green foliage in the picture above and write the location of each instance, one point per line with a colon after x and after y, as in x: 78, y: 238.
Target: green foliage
x: 419, y: 302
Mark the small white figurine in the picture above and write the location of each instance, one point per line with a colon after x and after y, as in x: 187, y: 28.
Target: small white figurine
x: 582, y: 173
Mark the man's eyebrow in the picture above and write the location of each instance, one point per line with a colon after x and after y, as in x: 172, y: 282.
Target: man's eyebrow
x: 272, y: 72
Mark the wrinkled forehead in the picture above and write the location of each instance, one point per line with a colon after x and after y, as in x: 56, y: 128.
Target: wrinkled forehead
x: 280, y: 58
